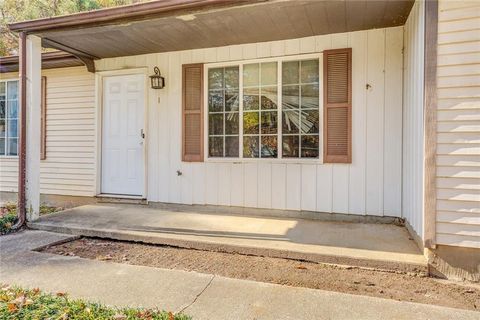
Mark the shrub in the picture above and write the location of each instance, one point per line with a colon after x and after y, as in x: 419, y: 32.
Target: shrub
x: 8, y: 216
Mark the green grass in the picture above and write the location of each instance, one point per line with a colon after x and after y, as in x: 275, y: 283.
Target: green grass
x: 44, y: 210
x: 16, y: 303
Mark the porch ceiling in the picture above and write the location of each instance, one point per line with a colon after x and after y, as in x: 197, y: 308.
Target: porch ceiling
x: 216, y: 25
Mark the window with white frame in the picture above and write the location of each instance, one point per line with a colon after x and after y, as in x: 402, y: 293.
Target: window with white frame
x: 264, y: 109
x: 300, y: 113
x: 8, y: 118
x: 223, y: 112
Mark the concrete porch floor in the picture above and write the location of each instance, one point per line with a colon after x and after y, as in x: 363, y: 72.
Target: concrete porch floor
x: 383, y: 246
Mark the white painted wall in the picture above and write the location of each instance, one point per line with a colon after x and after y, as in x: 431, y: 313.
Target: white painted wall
x: 370, y: 185
x: 413, y: 160
x: 458, y: 124
x: 70, y: 165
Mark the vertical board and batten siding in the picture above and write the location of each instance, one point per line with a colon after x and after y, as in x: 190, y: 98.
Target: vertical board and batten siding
x: 69, y: 167
x: 370, y: 185
x: 458, y: 124
x: 413, y: 162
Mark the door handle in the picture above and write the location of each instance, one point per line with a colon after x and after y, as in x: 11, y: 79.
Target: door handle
x: 142, y: 135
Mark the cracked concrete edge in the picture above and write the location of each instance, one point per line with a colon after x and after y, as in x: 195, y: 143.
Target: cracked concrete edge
x: 182, y: 310
x: 38, y: 239
x: 58, y: 242
x: 395, y: 266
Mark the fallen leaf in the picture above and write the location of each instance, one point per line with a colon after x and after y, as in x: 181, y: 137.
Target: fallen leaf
x: 19, y: 301
x: 12, y: 307
x: 170, y: 316
x: 144, y: 315
x: 104, y: 258
x: 302, y: 267
x: 36, y: 291
x: 60, y: 294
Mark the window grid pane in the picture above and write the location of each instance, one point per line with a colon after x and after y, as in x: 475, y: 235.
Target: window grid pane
x: 300, y: 109
x: 298, y: 136
x: 223, y: 112
x: 8, y: 118
x: 260, y: 110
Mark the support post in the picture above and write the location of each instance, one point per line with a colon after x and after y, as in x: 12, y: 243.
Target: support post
x: 33, y: 124
x: 22, y: 68
x: 430, y: 123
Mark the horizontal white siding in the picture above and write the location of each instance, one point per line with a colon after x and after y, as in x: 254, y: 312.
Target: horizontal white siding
x: 69, y: 168
x: 412, y: 199
x: 370, y: 185
x: 458, y: 141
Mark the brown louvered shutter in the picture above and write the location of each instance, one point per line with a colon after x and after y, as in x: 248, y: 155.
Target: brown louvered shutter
x: 337, y: 101
x: 192, y: 113
x: 43, y: 119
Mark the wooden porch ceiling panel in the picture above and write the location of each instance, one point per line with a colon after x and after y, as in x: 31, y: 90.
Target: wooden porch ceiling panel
x: 267, y: 21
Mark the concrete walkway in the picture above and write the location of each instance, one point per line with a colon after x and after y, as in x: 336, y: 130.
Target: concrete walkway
x: 202, y: 296
x: 362, y: 244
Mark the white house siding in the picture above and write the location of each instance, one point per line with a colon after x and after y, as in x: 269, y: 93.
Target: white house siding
x: 412, y: 195
x: 370, y: 185
x: 69, y: 168
x: 458, y: 140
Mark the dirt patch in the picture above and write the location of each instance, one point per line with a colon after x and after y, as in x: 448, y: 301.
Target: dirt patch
x: 397, y: 286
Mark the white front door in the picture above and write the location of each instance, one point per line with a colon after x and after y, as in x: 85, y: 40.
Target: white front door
x: 123, y: 135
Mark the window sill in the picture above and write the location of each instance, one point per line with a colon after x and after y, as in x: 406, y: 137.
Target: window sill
x: 8, y: 157
x: 264, y: 160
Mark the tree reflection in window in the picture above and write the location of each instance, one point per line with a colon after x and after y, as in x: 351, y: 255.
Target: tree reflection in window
x: 300, y: 109
x: 223, y: 112
x: 260, y: 112
x: 260, y: 115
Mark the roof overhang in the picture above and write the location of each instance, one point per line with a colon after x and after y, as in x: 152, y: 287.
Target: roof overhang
x: 172, y: 25
x: 50, y: 60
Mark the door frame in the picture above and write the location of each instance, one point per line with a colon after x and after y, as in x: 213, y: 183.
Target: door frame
x: 99, y: 79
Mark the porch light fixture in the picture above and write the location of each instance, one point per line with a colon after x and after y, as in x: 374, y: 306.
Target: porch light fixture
x: 157, y: 81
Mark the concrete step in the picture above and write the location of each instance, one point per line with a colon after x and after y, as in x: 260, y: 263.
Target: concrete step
x: 121, y: 200
x: 161, y: 238
x: 379, y: 246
